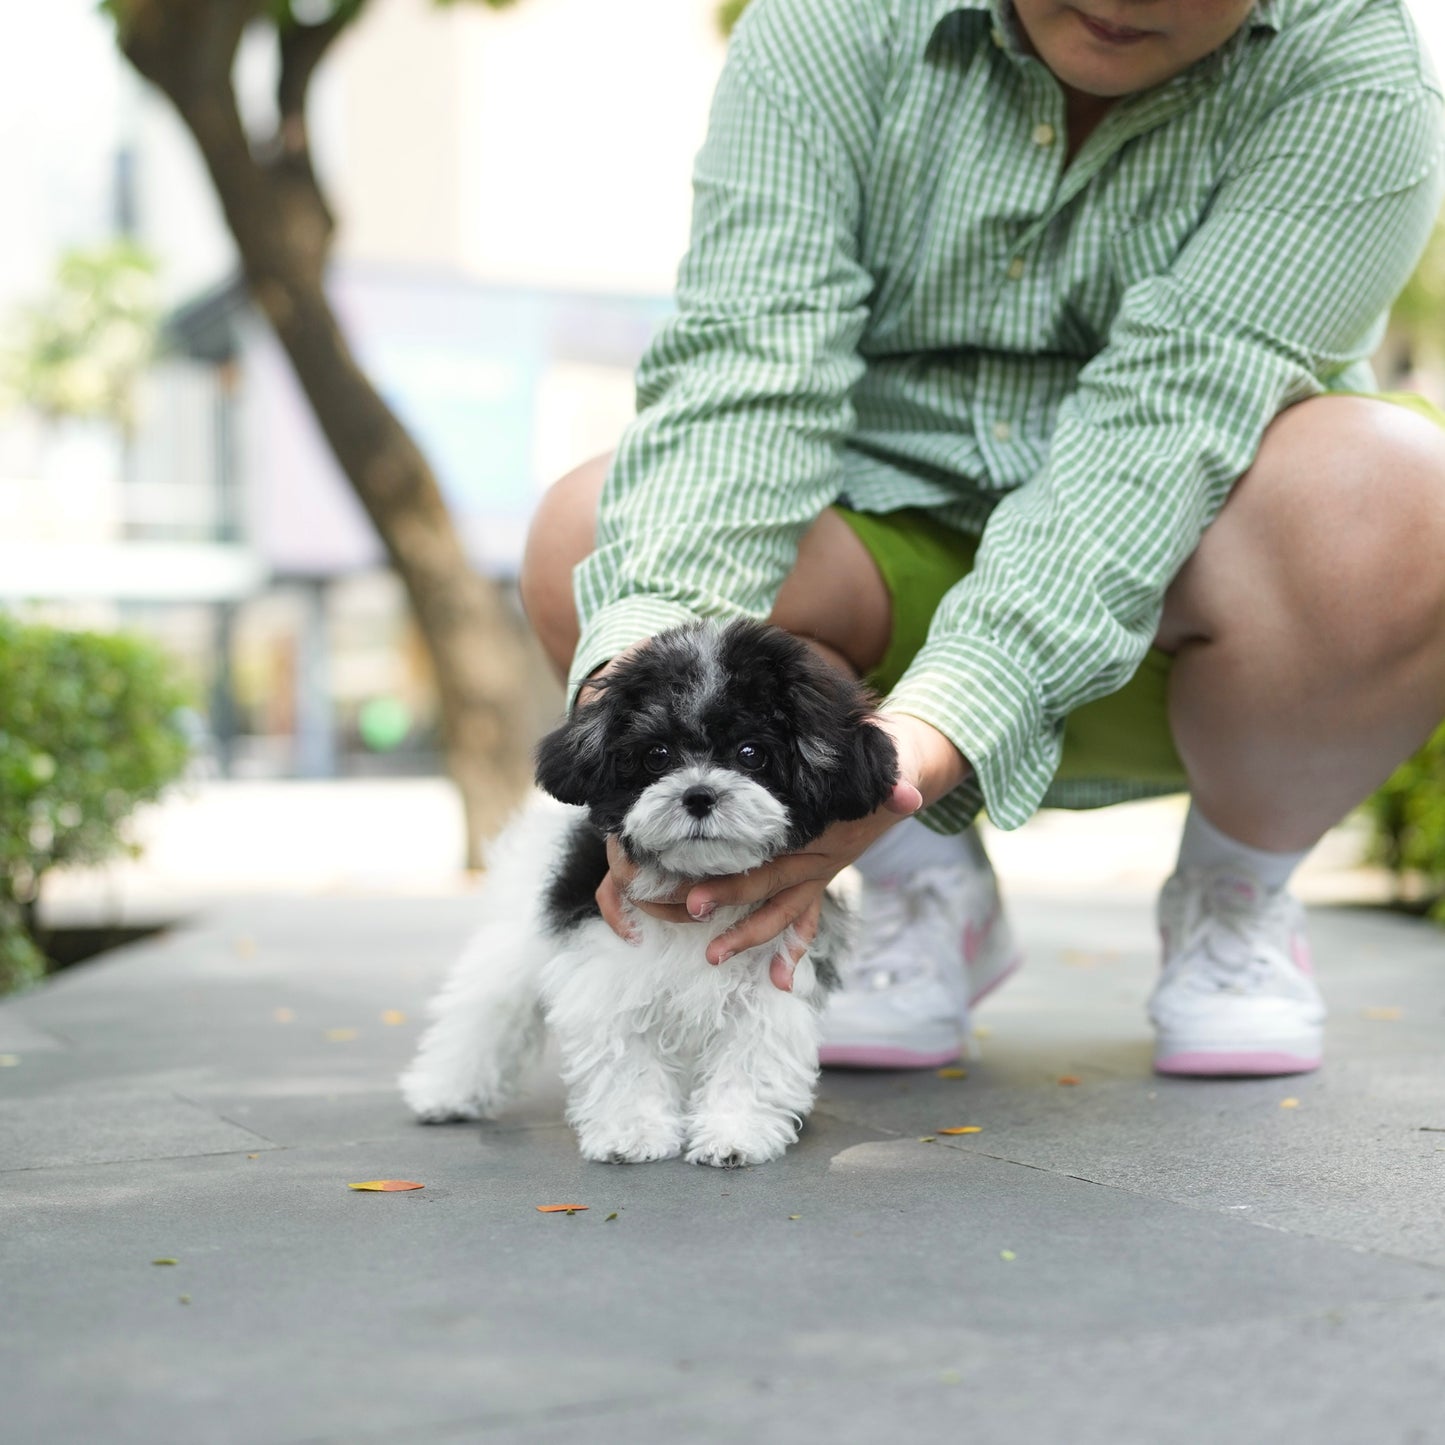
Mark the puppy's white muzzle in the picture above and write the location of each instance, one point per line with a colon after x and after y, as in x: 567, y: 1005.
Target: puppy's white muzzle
x: 703, y: 822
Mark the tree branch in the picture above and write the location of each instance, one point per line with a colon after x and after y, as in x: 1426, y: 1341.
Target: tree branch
x: 302, y: 47
x: 185, y: 47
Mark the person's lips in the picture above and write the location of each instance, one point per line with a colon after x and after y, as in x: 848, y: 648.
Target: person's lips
x: 1112, y: 34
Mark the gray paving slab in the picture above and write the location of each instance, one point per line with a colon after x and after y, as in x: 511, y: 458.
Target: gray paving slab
x: 1123, y: 1259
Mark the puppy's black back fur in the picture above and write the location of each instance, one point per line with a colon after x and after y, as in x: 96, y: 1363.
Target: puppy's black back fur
x: 571, y: 896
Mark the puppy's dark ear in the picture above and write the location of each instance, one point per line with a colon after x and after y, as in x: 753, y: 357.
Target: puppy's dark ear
x: 866, y: 775
x: 846, y: 766
x: 572, y: 759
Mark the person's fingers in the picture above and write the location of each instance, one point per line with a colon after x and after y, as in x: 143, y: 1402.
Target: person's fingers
x: 739, y: 890
x: 621, y: 872
x: 905, y: 799
x: 764, y: 923
x: 614, y: 910
x: 781, y: 970
x: 668, y: 912
x: 785, y: 962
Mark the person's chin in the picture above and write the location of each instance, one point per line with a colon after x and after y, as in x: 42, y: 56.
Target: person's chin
x: 1101, y: 77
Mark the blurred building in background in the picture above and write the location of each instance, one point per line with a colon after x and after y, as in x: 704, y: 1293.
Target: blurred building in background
x: 513, y: 193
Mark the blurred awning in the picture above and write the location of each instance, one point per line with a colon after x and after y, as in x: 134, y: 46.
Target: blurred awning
x: 129, y: 571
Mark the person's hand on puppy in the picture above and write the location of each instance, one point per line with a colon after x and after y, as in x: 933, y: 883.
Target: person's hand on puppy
x: 788, y: 891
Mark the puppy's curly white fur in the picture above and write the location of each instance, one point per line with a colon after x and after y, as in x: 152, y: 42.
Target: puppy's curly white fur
x: 709, y: 751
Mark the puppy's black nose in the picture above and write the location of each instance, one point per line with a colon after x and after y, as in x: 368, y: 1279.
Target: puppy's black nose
x: 699, y: 801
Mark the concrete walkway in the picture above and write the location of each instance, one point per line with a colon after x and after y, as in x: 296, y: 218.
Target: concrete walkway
x: 1124, y: 1259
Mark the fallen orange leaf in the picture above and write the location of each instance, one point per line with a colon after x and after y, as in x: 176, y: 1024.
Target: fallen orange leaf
x: 953, y: 1073
x: 1068, y: 1079
x: 964, y: 1129
x: 559, y: 1208
x: 387, y: 1186
x: 393, y: 1016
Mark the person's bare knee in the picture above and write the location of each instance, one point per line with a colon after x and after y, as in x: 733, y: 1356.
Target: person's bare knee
x: 1364, y: 566
x: 562, y: 533
x: 1335, y: 531
x: 1310, y: 623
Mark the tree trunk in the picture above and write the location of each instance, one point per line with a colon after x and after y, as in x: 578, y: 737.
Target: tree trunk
x: 282, y: 228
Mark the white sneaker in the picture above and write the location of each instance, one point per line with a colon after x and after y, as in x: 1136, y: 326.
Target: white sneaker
x: 1237, y: 995
x: 930, y: 946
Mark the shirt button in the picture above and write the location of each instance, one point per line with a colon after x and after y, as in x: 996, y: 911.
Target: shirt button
x: 1016, y: 268
x: 1002, y: 431
x: 1044, y: 135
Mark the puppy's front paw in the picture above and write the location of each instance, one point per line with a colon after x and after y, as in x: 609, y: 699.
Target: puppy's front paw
x: 635, y: 1144
x: 738, y: 1140
x: 435, y: 1104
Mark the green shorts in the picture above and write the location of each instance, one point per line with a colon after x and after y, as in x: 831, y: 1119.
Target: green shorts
x: 1124, y: 736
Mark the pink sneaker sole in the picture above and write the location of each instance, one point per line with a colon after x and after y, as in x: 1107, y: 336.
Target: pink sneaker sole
x: 892, y: 1056
x: 871, y: 1056
x: 1203, y: 1064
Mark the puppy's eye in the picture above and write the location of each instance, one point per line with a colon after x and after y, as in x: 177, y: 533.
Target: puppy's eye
x: 751, y: 757
x: 656, y: 758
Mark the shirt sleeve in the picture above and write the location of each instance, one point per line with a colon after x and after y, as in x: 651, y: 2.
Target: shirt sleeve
x: 744, y: 395
x: 1282, y: 287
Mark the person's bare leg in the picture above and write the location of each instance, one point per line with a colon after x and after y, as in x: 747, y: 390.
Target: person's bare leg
x: 1309, y: 626
x: 834, y: 598
x: 562, y: 533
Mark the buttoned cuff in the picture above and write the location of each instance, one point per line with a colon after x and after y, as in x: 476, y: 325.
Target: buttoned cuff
x: 981, y: 701
x: 617, y: 627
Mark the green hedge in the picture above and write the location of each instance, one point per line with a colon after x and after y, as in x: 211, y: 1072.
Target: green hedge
x: 1407, y: 817
x: 88, y: 731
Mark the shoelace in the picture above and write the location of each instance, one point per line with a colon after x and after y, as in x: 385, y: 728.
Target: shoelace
x: 882, y: 958
x: 1223, y: 928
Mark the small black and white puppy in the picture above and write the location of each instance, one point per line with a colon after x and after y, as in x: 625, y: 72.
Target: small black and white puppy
x: 707, y: 752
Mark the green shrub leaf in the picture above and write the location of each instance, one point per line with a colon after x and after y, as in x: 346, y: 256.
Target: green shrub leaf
x: 88, y: 732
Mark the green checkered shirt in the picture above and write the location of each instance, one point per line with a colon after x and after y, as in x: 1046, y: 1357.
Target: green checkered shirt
x: 898, y: 293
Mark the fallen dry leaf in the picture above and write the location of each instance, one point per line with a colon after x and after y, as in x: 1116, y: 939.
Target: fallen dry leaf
x: 795, y: 1216
x: 964, y: 1129
x: 342, y: 1036
x: 9, y: 1061
x: 1007, y: 1254
x: 610, y: 1217
x: 165, y: 1261
x: 284, y: 1015
x: 1384, y: 1015
x: 953, y: 1073
x: 927, y: 1139
x: 1069, y: 1079
x: 1289, y: 1103
x: 559, y: 1208
x: 393, y: 1016
x: 387, y: 1186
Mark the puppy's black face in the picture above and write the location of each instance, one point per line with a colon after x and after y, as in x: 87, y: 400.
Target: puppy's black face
x: 715, y: 748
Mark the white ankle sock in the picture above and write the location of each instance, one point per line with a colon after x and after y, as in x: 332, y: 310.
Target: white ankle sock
x: 1204, y: 846
x: 908, y: 847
